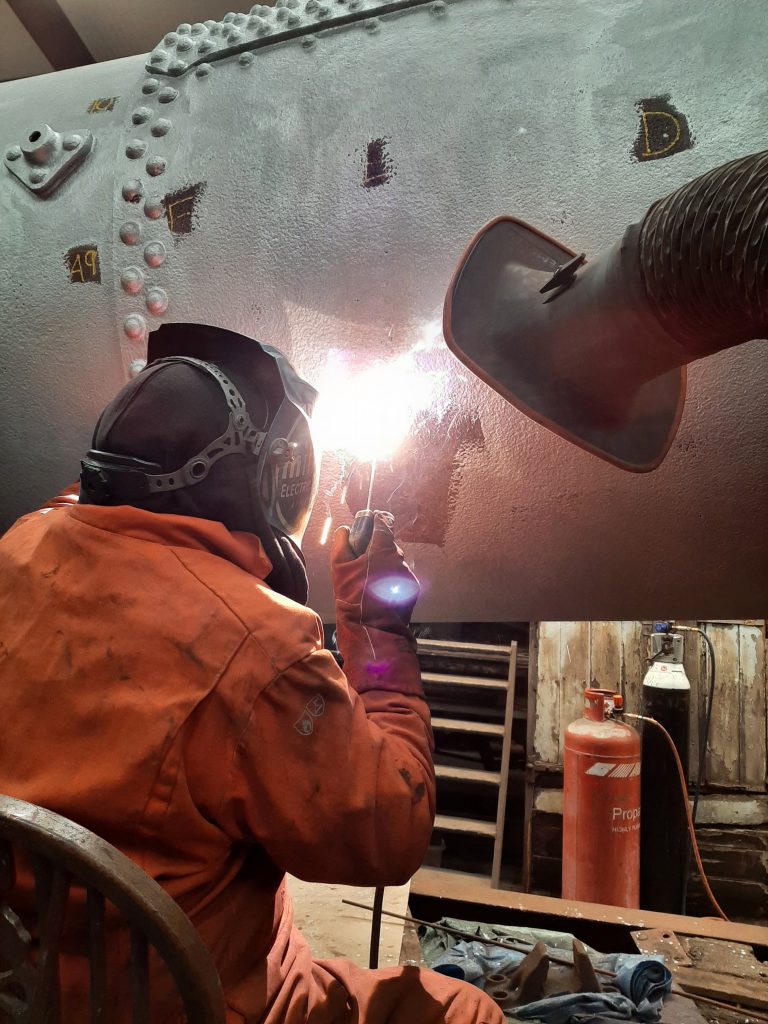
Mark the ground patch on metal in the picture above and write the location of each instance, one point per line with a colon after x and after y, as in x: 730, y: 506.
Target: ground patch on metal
x: 663, y: 130
x: 82, y: 263
x: 181, y: 208
x: 378, y: 167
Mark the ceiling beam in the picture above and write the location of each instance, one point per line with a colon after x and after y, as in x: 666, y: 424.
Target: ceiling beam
x: 53, y: 32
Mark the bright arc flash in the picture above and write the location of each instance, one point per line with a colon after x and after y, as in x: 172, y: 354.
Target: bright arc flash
x: 367, y: 413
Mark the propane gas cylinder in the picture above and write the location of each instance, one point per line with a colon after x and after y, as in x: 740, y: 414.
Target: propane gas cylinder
x: 601, y: 806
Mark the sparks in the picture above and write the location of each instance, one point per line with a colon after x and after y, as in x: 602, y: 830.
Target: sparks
x: 326, y: 529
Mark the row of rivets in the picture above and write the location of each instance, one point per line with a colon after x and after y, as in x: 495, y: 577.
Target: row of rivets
x: 132, y: 279
x: 236, y: 28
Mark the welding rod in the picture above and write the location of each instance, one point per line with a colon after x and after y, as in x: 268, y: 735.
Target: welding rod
x: 526, y: 947
x: 370, y: 483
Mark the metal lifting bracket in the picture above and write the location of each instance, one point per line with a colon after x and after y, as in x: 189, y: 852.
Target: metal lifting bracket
x: 47, y: 157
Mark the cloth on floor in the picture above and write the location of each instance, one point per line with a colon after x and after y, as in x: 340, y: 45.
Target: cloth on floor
x: 641, y: 981
x: 583, y: 1007
x: 645, y: 983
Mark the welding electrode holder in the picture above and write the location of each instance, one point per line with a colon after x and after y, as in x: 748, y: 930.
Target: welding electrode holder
x: 361, y: 531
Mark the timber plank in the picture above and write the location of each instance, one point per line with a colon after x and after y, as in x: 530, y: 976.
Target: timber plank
x: 546, y: 725
x: 634, y: 651
x: 576, y: 674
x: 752, y: 691
x: 464, y: 888
x: 474, y: 728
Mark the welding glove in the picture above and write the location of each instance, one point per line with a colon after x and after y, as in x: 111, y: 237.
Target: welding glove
x: 375, y: 596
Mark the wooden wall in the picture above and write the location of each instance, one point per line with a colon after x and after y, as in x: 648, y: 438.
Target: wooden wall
x: 569, y: 656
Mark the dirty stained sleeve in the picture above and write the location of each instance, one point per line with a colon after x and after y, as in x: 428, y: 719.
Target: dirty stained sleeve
x: 336, y: 787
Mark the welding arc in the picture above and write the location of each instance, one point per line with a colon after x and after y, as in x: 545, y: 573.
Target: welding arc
x: 691, y: 828
x: 526, y: 947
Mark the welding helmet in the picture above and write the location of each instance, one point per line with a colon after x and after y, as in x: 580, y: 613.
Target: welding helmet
x: 216, y: 426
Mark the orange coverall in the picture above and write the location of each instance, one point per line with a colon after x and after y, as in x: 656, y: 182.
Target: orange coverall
x: 155, y: 690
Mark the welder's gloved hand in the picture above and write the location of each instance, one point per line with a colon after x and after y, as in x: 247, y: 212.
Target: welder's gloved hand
x: 375, y: 596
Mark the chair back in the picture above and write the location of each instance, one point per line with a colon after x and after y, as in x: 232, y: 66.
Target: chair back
x: 63, y: 855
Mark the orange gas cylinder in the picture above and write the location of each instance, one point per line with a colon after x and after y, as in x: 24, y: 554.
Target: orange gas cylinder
x: 601, y: 806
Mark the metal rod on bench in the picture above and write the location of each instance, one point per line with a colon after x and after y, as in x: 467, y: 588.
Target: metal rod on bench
x: 378, y: 902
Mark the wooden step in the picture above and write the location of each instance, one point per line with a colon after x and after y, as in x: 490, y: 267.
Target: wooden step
x: 457, y: 649
x: 444, y: 771
x: 472, y: 728
x: 446, y: 823
x: 479, y: 681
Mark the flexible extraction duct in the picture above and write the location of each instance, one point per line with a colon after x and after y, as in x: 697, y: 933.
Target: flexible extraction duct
x: 597, y: 351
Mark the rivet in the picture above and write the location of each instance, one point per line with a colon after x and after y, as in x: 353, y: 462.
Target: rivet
x: 205, y: 46
x: 280, y: 3
x: 323, y: 11
x: 254, y: 21
x: 130, y: 232
x: 167, y: 94
x: 235, y: 36
x: 240, y: 19
x: 151, y: 85
x: 439, y: 7
x: 136, y: 366
x: 373, y: 25
x: 171, y: 39
x: 155, y: 165
x: 354, y: 4
x: 140, y: 115
x: 154, y: 254
x: 13, y: 153
x: 135, y: 149
x: 184, y: 28
x: 161, y: 127
x: 134, y: 326
x: 185, y: 43
x: 133, y: 190
x: 294, y: 18
x: 245, y: 59
x: 264, y: 29
x: 178, y: 65
x: 211, y: 25
x: 132, y: 280
x: 198, y: 28
x: 157, y: 301
x: 72, y: 141
x: 153, y: 209
x: 203, y: 70
x: 158, y: 56
x: 38, y: 176
x: 281, y: 13
x: 308, y: 42
x: 311, y: 6
x: 228, y: 17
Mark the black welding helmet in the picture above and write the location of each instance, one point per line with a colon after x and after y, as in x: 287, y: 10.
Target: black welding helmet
x: 166, y: 442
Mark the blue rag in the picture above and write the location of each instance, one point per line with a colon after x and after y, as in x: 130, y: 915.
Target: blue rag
x: 580, y: 1006
x: 645, y: 984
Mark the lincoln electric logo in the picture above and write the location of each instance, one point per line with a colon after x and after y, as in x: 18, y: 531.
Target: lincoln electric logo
x: 296, y: 477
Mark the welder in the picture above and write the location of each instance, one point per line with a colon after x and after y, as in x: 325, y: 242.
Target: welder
x: 163, y: 683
